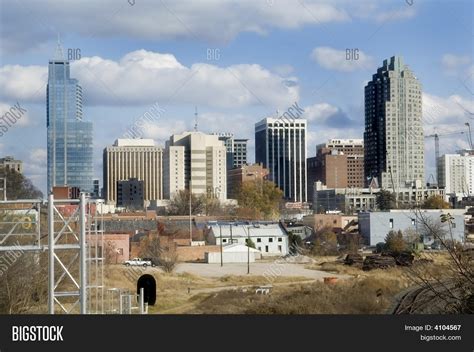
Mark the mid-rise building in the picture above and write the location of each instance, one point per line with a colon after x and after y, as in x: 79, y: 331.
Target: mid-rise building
x: 96, y: 188
x: 9, y: 163
x: 456, y: 174
x: 69, y: 137
x: 280, y: 146
x: 236, y: 177
x: 195, y: 161
x: 130, y: 194
x: 393, y: 137
x: 353, y: 149
x: 133, y: 158
x: 339, y: 163
x: 236, y: 150
x: 350, y: 200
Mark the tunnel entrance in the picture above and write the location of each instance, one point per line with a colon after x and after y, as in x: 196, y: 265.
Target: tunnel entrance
x: 148, y: 283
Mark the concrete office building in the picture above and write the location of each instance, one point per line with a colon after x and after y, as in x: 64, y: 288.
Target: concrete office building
x: 374, y: 226
x: 393, y: 137
x: 456, y: 174
x: 236, y: 177
x: 280, y: 146
x: 9, y: 163
x: 236, y: 150
x: 195, y: 161
x: 133, y: 158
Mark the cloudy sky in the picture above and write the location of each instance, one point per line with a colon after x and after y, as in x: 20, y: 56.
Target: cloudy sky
x: 237, y: 61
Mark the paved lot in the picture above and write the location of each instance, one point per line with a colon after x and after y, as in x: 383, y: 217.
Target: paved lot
x: 267, y: 269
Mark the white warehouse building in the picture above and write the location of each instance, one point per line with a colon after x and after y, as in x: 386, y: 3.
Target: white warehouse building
x: 271, y: 239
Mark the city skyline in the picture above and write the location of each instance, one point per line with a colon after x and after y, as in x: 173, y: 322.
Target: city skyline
x: 232, y: 74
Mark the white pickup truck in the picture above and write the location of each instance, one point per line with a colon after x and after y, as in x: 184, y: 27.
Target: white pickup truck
x: 138, y: 262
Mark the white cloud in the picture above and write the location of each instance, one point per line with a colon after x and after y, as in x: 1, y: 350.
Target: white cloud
x: 215, y: 21
x: 23, y: 83
x: 162, y: 130
x: 143, y: 77
x: 445, y: 114
x: 212, y: 21
x: 455, y: 64
x: 402, y: 13
x: 23, y: 120
x: 319, y: 112
x: 333, y: 59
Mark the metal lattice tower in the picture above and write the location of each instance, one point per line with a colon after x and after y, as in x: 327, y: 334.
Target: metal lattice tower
x: 74, y: 246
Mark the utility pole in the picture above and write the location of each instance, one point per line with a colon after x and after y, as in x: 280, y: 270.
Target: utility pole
x: 190, y: 221
x: 248, y: 250
x: 220, y: 234
x: 83, y: 253
x: 4, y: 188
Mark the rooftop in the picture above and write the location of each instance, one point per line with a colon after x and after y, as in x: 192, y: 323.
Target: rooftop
x: 134, y: 142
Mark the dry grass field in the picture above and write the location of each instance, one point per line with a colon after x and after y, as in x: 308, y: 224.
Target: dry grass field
x: 364, y: 292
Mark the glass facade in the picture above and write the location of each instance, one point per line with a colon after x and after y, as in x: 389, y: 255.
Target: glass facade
x: 69, y: 137
x: 281, y: 148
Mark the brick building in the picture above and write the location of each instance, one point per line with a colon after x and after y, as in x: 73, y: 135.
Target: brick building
x: 235, y: 177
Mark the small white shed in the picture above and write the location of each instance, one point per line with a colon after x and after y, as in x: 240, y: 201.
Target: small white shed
x: 234, y: 253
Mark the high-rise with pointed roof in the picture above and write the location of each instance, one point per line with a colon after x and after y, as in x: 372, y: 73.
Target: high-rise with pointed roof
x: 393, y: 137
x: 69, y: 137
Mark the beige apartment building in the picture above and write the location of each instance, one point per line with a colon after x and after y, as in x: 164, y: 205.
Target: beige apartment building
x: 133, y: 158
x: 195, y: 161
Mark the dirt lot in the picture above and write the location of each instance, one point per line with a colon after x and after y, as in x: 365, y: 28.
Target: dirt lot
x: 266, y: 269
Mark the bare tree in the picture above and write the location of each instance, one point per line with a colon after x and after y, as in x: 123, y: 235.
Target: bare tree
x: 453, y: 285
x: 23, y: 283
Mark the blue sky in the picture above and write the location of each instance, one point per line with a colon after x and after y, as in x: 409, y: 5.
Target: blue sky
x: 271, y: 53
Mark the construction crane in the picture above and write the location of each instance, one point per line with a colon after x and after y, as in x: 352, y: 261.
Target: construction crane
x: 436, y: 139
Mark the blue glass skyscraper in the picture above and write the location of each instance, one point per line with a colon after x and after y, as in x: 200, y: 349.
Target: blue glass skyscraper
x: 69, y: 137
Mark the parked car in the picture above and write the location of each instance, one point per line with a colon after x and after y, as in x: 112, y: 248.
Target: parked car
x: 138, y: 262
x: 154, y: 261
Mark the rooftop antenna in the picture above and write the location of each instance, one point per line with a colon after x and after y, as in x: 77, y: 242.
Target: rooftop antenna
x: 59, y: 54
x: 195, y: 119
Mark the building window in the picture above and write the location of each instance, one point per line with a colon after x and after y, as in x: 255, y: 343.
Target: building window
x: 391, y: 223
x: 259, y: 240
x: 270, y: 239
x: 280, y: 239
x: 224, y: 241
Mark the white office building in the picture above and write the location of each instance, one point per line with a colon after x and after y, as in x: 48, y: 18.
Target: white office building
x: 195, y: 161
x: 456, y: 174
